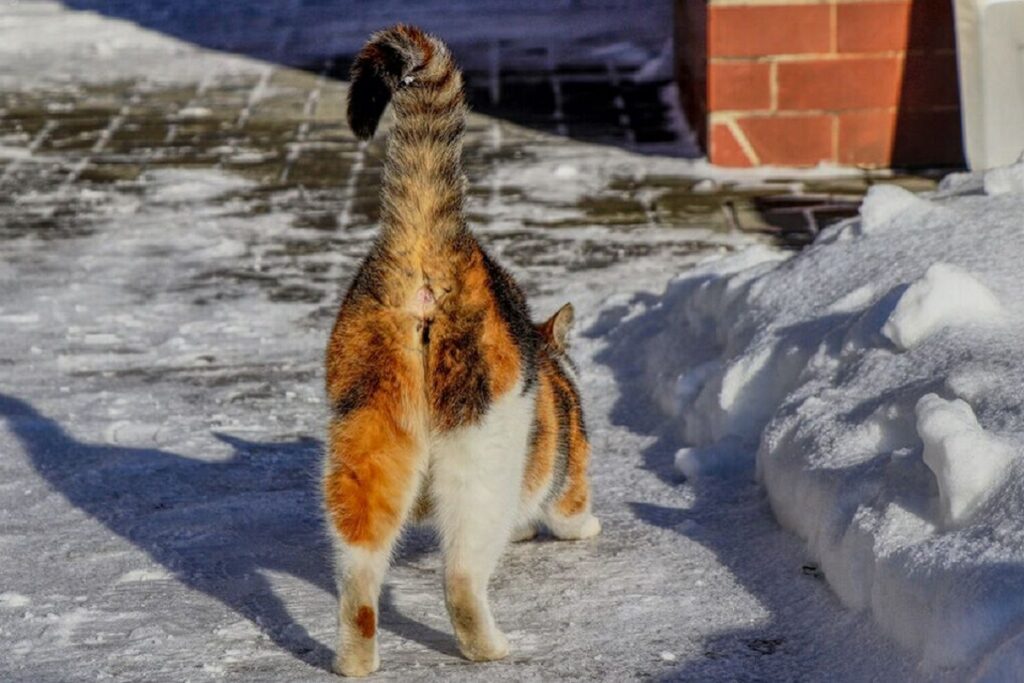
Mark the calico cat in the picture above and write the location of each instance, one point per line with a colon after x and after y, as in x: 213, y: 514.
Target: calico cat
x: 447, y: 403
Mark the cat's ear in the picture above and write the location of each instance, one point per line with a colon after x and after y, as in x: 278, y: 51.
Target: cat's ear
x: 556, y: 329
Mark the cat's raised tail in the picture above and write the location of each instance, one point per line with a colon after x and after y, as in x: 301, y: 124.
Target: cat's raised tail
x: 423, y: 184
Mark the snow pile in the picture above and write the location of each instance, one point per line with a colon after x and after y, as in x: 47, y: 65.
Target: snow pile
x: 874, y: 384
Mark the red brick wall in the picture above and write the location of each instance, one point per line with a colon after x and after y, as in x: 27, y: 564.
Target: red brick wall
x: 862, y: 82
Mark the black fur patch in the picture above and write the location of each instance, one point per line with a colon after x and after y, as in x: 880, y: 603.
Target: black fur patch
x: 577, y: 407
x: 376, y: 72
x: 357, y: 395
x: 563, y: 407
x: 460, y: 388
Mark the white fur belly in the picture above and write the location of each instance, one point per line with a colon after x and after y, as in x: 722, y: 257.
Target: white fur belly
x: 481, y: 467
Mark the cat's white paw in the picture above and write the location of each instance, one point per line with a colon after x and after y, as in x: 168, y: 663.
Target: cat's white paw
x: 357, y: 664
x: 574, y: 528
x: 590, y: 528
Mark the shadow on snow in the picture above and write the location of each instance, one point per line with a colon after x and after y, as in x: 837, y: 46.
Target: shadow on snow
x: 217, y: 527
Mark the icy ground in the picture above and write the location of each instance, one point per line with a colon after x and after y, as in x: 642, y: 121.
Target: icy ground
x: 162, y: 320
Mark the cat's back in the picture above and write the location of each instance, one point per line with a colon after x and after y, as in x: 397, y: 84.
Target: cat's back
x: 460, y: 337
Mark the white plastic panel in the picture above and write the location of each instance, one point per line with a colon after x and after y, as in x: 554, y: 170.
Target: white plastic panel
x: 990, y: 48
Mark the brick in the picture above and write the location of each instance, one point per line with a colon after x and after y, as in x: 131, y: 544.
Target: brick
x: 838, y: 84
x: 866, y: 137
x: 725, y: 150
x: 739, y: 86
x: 929, y: 81
x: 753, y: 31
x: 790, y: 140
x: 873, y: 26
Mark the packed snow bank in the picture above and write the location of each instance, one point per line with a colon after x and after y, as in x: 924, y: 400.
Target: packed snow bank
x: 878, y: 376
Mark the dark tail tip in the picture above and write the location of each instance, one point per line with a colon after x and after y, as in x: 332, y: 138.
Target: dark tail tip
x: 378, y: 71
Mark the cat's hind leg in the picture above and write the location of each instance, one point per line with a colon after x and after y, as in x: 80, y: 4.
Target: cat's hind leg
x: 373, y: 470
x: 568, y: 515
x: 572, y: 527
x: 476, y: 478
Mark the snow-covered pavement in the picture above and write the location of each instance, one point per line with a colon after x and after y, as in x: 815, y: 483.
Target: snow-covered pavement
x: 161, y: 332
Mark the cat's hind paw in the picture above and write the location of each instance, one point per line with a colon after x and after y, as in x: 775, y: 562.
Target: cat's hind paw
x: 574, y: 528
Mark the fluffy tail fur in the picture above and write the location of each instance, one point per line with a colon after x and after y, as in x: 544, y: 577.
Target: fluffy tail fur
x: 423, y: 183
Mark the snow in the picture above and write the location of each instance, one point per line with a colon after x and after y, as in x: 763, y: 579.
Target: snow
x: 883, y: 203
x: 12, y: 600
x: 176, y: 186
x: 41, y: 41
x: 1005, y: 180
x: 872, y: 384
x: 945, y: 296
x: 969, y: 464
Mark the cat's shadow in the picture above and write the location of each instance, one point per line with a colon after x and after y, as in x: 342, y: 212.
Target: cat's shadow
x: 218, y: 527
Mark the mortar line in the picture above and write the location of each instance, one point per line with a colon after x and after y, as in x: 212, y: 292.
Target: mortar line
x: 556, y: 89
x: 494, y: 198
x: 201, y: 88
x: 255, y: 95
x: 308, y: 111
x: 350, y: 183
x: 494, y: 72
x: 101, y: 142
x: 33, y: 147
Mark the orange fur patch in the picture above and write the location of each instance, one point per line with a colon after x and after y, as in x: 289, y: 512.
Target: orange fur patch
x: 371, y: 470
x: 420, y: 39
x: 500, y: 351
x: 366, y: 622
x: 577, y: 492
x: 376, y: 384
